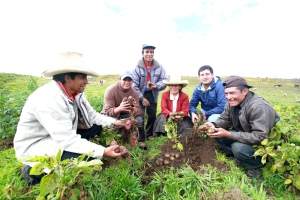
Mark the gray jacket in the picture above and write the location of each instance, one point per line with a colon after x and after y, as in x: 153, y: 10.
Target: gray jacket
x: 257, y: 118
x: 158, y: 74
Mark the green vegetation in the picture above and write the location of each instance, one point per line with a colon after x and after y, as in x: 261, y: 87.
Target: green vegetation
x: 124, y: 179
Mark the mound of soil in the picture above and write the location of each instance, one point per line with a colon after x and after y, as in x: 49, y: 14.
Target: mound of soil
x: 196, y: 151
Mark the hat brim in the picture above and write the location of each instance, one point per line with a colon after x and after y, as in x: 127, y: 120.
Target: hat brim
x: 51, y: 72
x: 149, y: 47
x: 183, y: 82
x: 225, y: 85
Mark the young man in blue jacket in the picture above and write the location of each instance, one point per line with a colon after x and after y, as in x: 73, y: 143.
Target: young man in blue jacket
x: 210, y: 94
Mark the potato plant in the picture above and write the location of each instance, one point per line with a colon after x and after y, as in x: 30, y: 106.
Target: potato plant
x: 280, y: 152
x: 171, y: 129
x: 62, y: 175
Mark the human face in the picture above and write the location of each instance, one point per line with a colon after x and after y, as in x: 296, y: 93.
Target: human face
x: 174, y: 89
x: 126, y: 83
x: 77, y: 85
x: 234, y: 96
x: 148, y: 54
x: 206, y: 77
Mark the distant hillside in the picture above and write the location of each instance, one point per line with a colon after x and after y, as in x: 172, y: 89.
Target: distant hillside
x: 286, y: 94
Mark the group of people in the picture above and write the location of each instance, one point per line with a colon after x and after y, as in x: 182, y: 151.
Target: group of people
x: 58, y: 116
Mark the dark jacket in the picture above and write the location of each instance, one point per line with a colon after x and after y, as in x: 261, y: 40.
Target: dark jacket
x: 257, y: 117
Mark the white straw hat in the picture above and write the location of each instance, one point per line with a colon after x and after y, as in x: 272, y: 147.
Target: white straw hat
x: 176, y: 80
x: 69, y: 62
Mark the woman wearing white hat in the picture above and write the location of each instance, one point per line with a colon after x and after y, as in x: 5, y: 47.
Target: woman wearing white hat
x: 174, y: 100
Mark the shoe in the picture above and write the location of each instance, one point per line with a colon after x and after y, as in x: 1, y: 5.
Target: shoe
x: 254, y: 173
x: 29, y: 179
x: 143, y: 145
x: 234, y: 159
x: 150, y: 138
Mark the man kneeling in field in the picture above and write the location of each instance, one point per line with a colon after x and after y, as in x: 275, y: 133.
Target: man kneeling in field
x: 250, y: 119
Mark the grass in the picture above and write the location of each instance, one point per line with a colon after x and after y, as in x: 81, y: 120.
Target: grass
x: 124, y: 180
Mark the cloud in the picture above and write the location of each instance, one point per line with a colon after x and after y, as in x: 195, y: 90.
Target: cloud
x: 247, y: 37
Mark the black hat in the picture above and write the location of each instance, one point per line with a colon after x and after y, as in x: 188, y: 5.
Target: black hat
x: 235, y: 81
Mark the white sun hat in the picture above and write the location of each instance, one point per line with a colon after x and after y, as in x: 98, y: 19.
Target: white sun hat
x: 175, y: 79
x: 69, y: 62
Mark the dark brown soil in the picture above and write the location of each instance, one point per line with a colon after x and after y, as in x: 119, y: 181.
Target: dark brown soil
x: 197, y: 151
x: 6, y: 144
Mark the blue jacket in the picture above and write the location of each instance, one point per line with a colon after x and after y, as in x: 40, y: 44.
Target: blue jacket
x: 212, y: 100
x: 158, y: 74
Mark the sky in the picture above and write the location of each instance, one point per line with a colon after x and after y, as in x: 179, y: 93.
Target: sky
x: 250, y: 38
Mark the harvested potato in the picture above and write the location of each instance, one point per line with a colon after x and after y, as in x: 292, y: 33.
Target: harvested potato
x: 211, y: 130
x: 159, y: 161
x: 167, y: 155
x: 166, y: 162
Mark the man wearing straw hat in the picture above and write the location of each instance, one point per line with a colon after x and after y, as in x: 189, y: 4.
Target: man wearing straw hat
x: 57, y: 116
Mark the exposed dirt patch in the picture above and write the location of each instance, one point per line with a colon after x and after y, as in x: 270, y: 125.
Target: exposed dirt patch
x: 6, y: 144
x: 196, y: 151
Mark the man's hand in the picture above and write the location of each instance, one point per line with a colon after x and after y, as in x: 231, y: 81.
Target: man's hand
x: 116, y: 151
x: 123, y: 123
x: 125, y: 106
x: 145, y: 102
x: 151, y: 86
x: 194, y: 116
x: 112, y: 151
x: 219, y: 133
x: 204, y: 116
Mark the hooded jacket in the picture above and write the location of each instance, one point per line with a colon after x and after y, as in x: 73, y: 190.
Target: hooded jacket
x: 212, y: 100
x: 158, y: 74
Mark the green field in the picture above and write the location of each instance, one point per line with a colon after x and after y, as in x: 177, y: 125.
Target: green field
x: 123, y: 181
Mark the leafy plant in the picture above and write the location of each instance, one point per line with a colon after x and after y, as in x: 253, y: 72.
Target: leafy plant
x: 62, y: 174
x: 171, y: 129
x: 96, y: 102
x: 11, y: 105
x: 281, y: 149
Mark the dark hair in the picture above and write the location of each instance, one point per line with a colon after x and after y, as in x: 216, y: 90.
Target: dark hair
x: 61, y: 77
x: 204, y: 67
x: 241, y: 87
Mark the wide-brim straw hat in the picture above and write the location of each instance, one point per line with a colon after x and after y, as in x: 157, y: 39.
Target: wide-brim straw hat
x: 69, y: 62
x: 176, y: 80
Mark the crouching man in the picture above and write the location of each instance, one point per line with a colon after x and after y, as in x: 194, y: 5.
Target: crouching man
x: 250, y: 119
x: 57, y: 116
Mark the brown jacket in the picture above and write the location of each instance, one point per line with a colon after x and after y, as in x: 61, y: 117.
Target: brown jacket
x: 113, y: 97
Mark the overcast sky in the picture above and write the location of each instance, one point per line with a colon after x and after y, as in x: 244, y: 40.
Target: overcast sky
x: 249, y: 38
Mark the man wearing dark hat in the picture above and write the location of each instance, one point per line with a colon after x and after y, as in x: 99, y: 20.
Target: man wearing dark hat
x: 247, y: 120
x: 57, y: 116
x: 117, y: 104
x: 148, y: 78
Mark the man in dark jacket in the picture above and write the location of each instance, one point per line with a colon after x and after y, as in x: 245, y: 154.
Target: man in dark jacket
x: 148, y: 78
x: 210, y: 93
x: 250, y: 119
